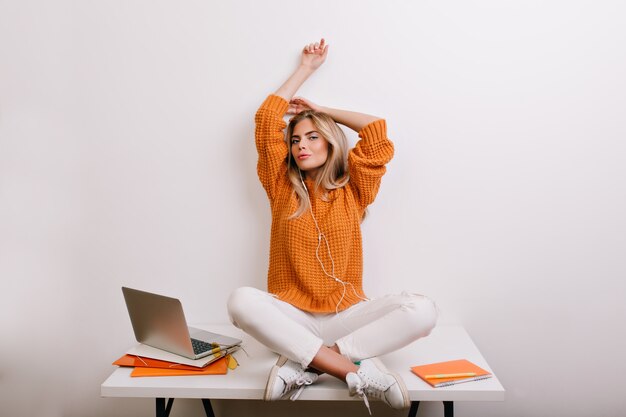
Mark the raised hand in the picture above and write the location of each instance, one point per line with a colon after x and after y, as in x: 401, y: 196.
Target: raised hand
x: 314, y: 54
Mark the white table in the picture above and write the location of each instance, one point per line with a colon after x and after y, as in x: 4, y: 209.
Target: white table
x: 248, y: 380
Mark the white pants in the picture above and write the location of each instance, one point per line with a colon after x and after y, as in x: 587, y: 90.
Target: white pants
x: 367, y: 329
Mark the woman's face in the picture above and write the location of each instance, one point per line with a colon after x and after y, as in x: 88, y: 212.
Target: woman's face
x: 308, y: 148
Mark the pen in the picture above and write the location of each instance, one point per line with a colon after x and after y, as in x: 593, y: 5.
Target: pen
x: 460, y: 375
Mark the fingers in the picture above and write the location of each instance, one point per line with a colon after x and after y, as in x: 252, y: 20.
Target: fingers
x: 303, y: 101
x: 323, y: 46
x: 316, y: 48
x: 293, y: 108
x: 302, y: 104
x: 299, y: 101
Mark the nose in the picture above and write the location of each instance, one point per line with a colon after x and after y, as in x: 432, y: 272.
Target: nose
x: 301, y: 145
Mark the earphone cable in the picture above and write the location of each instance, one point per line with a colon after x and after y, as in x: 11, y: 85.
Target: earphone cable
x: 321, y: 236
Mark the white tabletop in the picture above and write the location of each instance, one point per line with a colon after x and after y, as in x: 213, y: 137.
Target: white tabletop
x: 248, y: 380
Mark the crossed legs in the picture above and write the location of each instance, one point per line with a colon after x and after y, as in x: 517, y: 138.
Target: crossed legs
x: 331, y: 343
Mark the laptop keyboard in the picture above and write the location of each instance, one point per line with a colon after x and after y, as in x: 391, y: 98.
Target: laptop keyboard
x: 200, y: 347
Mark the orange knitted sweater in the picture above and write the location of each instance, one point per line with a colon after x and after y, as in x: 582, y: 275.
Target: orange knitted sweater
x: 295, y: 274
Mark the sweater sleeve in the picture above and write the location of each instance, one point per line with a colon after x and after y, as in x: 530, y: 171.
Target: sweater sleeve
x: 367, y: 160
x: 270, y: 143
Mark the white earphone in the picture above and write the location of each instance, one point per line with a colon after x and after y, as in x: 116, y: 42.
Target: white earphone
x: 320, y: 237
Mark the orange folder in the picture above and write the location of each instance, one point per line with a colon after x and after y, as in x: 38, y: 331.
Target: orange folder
x: 450, y: 367
x: 219, y: 367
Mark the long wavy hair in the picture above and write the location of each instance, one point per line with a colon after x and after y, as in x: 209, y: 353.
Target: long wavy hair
x: 334, y: 173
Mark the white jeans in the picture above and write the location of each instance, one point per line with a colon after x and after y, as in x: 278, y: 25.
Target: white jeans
x: 367, y: 329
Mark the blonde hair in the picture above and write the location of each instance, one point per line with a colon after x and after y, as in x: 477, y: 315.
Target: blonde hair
x: 334, y: 173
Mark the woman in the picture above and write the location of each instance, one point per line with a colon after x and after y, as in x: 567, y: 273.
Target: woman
x: 315, y: 313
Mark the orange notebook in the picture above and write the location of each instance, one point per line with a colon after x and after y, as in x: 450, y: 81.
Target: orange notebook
x: 460, y: 366
x: 219, y: 367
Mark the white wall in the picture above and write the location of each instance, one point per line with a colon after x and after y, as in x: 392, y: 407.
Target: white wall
x: 126, y: 158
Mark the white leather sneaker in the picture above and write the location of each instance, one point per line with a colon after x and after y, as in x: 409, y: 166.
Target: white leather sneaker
x: 285, y: 377
x: 373, y: 380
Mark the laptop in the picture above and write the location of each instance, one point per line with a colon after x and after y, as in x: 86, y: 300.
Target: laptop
x: 159, y: 321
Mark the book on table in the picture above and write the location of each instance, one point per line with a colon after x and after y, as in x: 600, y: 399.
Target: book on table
x: 145, y: 366
x: 443, y: 374
x: 146, y: 351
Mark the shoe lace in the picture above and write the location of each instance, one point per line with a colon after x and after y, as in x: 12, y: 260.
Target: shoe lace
x: 301, y: 382
x: 360, y: 390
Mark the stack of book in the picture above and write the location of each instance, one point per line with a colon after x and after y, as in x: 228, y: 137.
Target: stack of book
x: 148, y: 361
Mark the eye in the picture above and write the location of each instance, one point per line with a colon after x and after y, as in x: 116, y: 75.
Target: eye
x: 295, y: 141
x: 312, y: 137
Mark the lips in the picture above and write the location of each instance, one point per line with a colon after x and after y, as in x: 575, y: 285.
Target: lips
x: 303, y: 156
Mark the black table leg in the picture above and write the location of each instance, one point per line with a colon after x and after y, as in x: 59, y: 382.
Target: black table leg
x: 208, y: 410
x: 413, y: 410
x: 448, y: 409
x: 161, y: 409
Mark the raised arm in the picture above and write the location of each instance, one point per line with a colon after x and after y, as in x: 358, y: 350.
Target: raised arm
x: 354, y: 120
x: 313, y: 56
